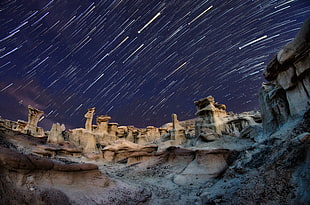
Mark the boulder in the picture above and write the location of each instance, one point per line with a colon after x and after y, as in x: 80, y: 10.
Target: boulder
x: 207, y: 164
x: 208, y: 135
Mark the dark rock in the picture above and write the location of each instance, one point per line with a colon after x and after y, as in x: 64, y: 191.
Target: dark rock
x: 274, y: 107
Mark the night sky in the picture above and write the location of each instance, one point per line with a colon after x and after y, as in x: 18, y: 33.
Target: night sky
x: 137, y: 61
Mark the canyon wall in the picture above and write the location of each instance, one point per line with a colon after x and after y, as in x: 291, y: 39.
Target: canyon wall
x: 286, y: 96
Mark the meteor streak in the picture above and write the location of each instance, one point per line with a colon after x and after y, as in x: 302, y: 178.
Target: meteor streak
x: 205, y: 11
x: 254, y: 41
x: 148, y: 23
x: 175, y: 70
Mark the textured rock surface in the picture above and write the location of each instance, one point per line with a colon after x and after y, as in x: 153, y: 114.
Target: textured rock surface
x: 121, y: 150
x: 274, y: 172
x: 213, y: 116
x: 274, y: 107
x: 33, y: 119
x: 287, y: 94
x: 206, y: 164
x: 55, y: 136
x: 28, y: 179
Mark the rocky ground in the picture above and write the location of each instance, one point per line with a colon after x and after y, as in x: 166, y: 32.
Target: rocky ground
x: 275, y: 171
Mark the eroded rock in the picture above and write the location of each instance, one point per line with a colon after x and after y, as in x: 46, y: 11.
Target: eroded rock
x: 287, y: 95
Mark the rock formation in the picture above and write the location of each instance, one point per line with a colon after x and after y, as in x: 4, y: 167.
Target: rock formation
x: 55, y: 136
x: 33, y: 119
x: 178, y: 132
x: 172, y: 135
x: 125, y: 151
x: 212, y: 117
x: 29, y: 179
x: 205, y: 165
x: 288, y: 92
x: 102, y: 122
x: 89, y: 119
x: 209, y: 115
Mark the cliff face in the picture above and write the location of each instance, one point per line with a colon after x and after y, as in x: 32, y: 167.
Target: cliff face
x: 287, y: 94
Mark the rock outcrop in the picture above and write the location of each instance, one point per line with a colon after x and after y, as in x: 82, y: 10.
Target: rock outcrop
x: 205, y: 165
x: 33, y: 119
x: 173, y: 135
x: 276, y: 169
x: 212, y: 117
x: 29, y: 179
x: 287, y: 94
x: 125, y: 151
x: 56, y: 136
x: 209, y: 115
x: 30, y: 127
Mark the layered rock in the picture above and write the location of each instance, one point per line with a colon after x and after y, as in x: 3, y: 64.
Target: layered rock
x: 33, y: 119
x: 30, y: 127
x: 288, y: 92
x: 205, y: 165
x: 209, y: 115
x: 28, y: 179
x: 123, y: 150
x: 102, y: 124
x: 212, y: 117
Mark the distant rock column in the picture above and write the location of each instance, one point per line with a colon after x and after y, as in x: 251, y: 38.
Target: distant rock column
x: 102, y: 122
x: 177, y: 132
x: 33, y: 119
x: 89, y: 119
x: 175, y: 121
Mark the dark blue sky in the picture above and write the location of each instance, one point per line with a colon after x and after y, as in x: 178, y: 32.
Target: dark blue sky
x: 138, y: 61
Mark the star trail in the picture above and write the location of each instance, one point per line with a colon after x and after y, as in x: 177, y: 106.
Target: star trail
x: 137, y: 61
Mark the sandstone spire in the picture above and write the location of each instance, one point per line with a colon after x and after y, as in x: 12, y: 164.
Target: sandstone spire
x: 177, y: 132
x: 89, y: 118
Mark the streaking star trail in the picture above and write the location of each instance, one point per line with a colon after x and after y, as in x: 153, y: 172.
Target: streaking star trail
x: 137, y: 61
